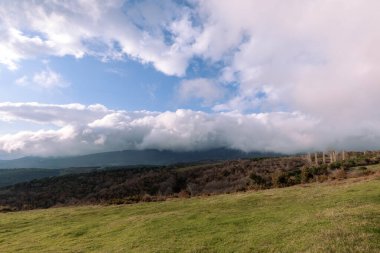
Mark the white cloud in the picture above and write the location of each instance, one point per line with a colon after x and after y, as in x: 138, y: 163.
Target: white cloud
x: 107, y: 30
x: 49, y: 79
x: 201, y: 88
x: 319, y: 57
x: 22, y: 81
x: 85, y: 129
x: 60, y: 115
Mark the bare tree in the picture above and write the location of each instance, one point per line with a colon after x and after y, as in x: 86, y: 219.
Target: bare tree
x: 308, y: 157
x: 316, y: 158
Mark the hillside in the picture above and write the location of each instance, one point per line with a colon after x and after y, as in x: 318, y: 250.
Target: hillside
x: 153, y: 183
x: 14, y: 176
x: 339, y: 216
x: 30, y: 168
x: 130, y: 157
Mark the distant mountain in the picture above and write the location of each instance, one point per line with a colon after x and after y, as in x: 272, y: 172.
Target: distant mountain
x: 14, y: 176
x: 130, y: 157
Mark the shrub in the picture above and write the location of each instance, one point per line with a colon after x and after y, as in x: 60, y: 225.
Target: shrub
x: 349, y: 163
x: 306, y: 175
x: 279, y: 179
x: 335, y: 165
x: 146, y: 198
x: 322, y: 178
x: 257, y: 179
x: 320, y: 170
x: 184, y: 194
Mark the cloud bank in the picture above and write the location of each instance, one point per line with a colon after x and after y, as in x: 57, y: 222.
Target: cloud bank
x: 80, y: 129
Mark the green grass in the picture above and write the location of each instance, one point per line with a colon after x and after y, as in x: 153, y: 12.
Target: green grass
x: 339, y: 217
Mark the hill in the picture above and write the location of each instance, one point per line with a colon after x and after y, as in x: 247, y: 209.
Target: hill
x: 14, y: 176
x: 30, y: 168
x: 118, y: 186
x: 142, y: 183
x: 131, y: 157
x: 338, y: 216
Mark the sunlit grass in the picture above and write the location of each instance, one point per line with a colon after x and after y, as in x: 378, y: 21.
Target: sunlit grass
x: 339, y: 217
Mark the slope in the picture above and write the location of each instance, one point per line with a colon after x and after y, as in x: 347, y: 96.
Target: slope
x: 130, y: 157
x: 339, y: 216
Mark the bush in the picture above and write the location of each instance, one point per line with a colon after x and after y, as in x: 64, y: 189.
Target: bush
x: 320, y: 170
x: 349, y: 163
x: 257, y: 179
x: 184, y: 194
x: 146, y: 198
x: 279, y: 179
x: 322, y: 178
x: 335, y: 165
x: 306, y: 175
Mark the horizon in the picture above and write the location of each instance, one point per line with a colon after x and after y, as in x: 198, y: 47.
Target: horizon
x: 306, y: 154
x: 144, y: 150
x: 89, y: 77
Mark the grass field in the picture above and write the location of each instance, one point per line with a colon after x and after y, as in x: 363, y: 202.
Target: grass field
x: 343, y: 216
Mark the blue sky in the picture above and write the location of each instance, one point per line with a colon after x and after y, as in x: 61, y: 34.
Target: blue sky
x: 123, y: 84
x: 90, y: 76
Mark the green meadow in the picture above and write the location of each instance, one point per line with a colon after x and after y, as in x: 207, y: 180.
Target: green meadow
x: 338, y: 216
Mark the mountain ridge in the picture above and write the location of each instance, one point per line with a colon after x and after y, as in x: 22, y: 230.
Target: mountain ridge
x: 131, y: 157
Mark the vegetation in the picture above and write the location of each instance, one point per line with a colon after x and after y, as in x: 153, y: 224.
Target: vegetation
x: 335, y: 216
x: 143, y: 184
x: 120, y: 186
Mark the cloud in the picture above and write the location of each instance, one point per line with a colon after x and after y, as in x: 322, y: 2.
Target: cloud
x: 22, y: 81
x: 208, y: 91
x: 312, y: 68
x: 78, y: 129
x: 49, y: 79
x: 109, y: 30
x: 319, y: 57
x: 60, y: 115
x: 309, y: 56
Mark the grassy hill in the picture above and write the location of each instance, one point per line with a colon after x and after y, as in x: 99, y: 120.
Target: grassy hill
x: 338, y: 216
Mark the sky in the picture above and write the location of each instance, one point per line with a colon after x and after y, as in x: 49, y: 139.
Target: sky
x: 86, y: 76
